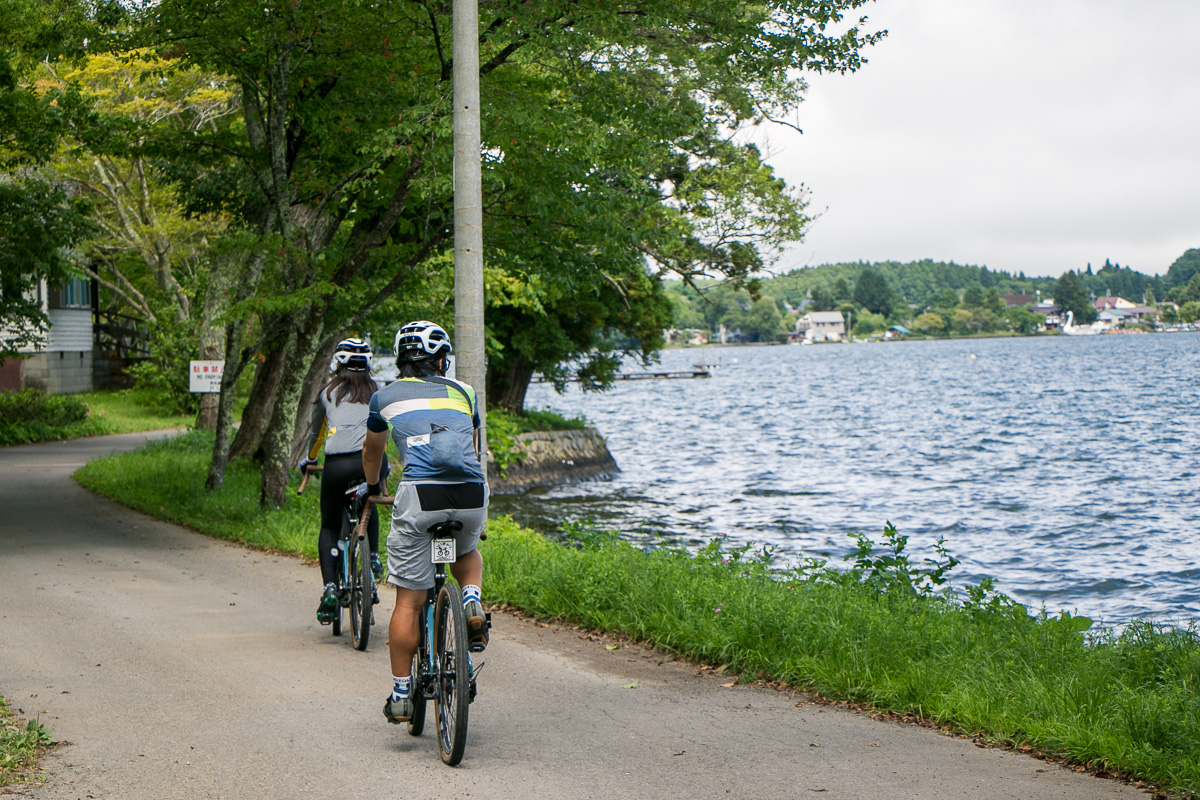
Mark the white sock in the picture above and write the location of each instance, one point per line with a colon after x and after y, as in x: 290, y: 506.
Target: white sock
x: 471, y: 593
x: 400, y: 687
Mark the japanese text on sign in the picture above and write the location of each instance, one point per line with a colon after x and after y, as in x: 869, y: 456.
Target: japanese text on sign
x: 205, y: 376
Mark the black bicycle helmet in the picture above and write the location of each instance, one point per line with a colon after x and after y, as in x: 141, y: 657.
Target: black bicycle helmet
x: 421, y: 340
x: 353, y: 354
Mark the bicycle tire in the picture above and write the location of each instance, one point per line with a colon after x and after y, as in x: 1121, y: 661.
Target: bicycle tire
x: 362, y: 585
x: 453, y: 679
x: 416, y: 723
x: 341, y: 557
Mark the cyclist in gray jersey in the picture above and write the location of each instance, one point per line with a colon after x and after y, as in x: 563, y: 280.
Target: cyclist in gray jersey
x: 339, y: 420
x: 433, y: 421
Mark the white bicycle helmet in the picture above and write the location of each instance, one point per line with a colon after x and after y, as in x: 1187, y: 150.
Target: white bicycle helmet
x: 353, y: 354
x: 421, y: 340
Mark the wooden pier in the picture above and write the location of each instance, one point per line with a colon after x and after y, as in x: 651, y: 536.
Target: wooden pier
x: 698, y: 371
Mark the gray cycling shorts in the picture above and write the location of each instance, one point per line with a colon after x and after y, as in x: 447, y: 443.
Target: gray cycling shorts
x: 409, y: 560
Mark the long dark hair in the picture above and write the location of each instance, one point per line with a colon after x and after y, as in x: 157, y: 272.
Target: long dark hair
x: 422, y: 368
x: 350, y: 385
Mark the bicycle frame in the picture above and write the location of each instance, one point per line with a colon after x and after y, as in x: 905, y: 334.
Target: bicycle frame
x: 355, y: 581
x: 443, y: 670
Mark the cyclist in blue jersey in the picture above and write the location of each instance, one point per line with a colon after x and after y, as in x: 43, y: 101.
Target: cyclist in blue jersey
x: 434, y: 421
x: 339, y: 420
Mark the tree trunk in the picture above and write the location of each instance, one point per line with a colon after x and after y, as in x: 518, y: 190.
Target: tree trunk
x: 256, y: 417
x: 317, y: 374
x: 220, y: 457
x: 211, y: 335
x: 298, y: 355
x: 224, y: 426
x: 507, y: 389
x: 234, y: 333
x: 276, y: 438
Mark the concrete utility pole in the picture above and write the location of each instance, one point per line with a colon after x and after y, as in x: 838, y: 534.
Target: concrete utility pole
x: 468, y: 209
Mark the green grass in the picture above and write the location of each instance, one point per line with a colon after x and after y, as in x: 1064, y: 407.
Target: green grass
x: 178, y: 467
x: 1122, y: 703
x: 19, y: 746
x: 884, y: 634
x: 131, y: 411
x: 30, y: 416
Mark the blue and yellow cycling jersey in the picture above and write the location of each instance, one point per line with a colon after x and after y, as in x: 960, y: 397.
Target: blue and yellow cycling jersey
x: 432, y: 422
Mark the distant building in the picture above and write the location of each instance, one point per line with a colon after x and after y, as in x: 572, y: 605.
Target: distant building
x: 693, y: 336
x: 1015, y: 300
x: 64, y: 365
x: 821, y: 326
x: 1144, y: 313
x: 1049, y: 310
x: 1115, y: 318
x: 1105, y: 303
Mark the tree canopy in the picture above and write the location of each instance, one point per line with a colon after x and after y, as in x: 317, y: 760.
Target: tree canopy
x: 43, y: 222
x: 607, y: 159
x: 873, y: 293
x: 1070, y: 295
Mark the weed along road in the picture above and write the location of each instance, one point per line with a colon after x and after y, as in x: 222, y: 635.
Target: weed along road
x: 176, y: 666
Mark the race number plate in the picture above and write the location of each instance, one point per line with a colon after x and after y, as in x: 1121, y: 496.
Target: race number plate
x: 443, y: 551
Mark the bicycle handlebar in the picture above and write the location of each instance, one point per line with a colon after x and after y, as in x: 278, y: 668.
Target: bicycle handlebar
x: 365, y: 518
x: 307, y: 472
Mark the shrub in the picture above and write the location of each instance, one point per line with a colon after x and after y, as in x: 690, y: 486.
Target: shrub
x: 31, y: 415
x: 503, y: 428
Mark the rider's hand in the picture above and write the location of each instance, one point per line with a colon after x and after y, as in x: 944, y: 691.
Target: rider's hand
x: 306, y: 463
x: 375, y: 489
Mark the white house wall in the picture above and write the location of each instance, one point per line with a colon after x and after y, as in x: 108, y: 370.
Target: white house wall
x: 70, y: 330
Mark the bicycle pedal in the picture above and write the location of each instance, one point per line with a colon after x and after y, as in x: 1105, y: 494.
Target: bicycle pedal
x: 477, y: 647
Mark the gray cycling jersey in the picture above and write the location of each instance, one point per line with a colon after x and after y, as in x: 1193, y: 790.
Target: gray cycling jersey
x: 347, y: 423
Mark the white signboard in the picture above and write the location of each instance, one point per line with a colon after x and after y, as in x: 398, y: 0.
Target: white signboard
x: 205, y: 376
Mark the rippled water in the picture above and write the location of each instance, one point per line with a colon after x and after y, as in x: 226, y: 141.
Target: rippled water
x: 1064, y: 467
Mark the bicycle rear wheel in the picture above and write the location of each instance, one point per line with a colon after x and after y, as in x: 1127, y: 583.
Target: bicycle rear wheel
x: 453, y: 678
x: 416, y: 723
x: 362, y: 592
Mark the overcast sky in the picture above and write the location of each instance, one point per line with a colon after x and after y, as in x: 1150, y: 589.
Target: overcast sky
x: 1021, y: 135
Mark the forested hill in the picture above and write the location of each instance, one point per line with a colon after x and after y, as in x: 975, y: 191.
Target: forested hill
x: 920, y: 282
x: 888, y: 292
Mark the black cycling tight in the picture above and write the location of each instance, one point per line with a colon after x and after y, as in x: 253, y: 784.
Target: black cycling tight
x: 342, y: 471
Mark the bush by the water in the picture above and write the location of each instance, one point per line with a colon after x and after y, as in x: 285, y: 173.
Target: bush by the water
x: 885, y: 632
x: 33, y: 416
x: 504, y: 427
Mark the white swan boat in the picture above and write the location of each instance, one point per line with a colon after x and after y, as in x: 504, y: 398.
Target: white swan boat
x: 1069, y: 328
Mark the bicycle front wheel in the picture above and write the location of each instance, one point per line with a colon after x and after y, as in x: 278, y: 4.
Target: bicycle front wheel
x: 454, y: 675
x: 362, y: 592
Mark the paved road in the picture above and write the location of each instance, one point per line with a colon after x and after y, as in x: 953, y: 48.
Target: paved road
x: 176, y: 666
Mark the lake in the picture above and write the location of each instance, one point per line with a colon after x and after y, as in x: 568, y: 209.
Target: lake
x: 1064, y: 467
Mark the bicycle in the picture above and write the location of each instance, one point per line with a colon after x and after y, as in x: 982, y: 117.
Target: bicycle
x: 355, y: 579
x: 442, y: 670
